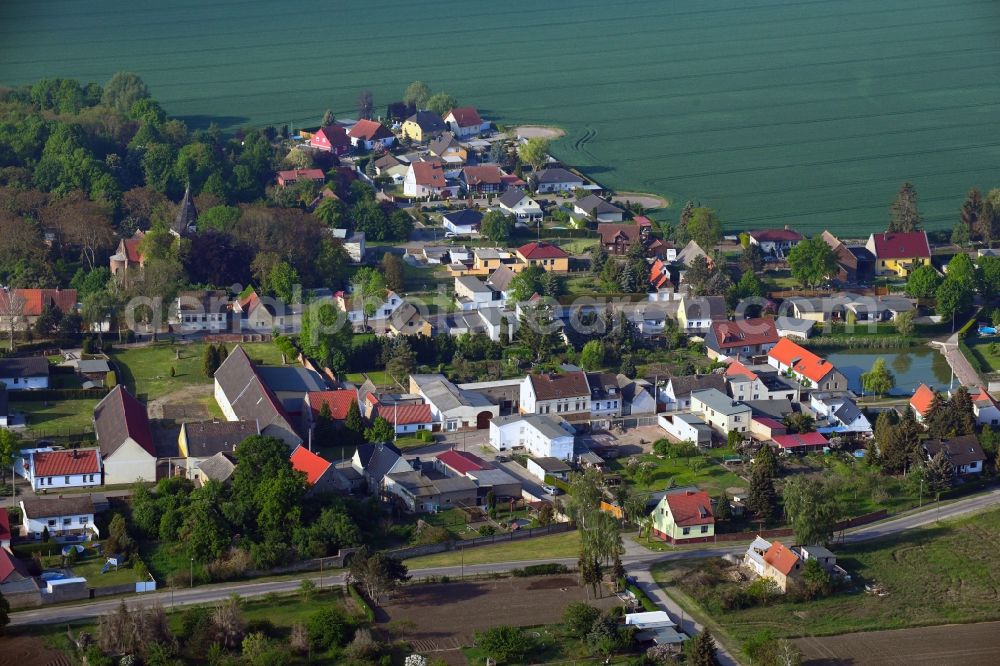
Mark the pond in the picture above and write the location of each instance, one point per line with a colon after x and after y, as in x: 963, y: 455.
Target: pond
x: 911, y: 366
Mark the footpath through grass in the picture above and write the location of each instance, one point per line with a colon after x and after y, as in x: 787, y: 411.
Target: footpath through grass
x: 936, y: 575
x: 556, y: 546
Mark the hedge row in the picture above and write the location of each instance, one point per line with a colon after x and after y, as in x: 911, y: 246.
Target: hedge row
x: 558, y: 483
x: 56, y: 394
x: 550, y: 569
x: 362, y: 603
x: 646, y: 603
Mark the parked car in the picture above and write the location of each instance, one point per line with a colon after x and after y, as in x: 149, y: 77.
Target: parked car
x: 551, y: 490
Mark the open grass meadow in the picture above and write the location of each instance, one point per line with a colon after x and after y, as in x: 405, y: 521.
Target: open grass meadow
x: 934, y: 575
x: 772, y: 111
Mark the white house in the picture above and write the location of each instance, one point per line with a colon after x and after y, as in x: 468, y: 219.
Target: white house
x: 453, y: 407
x: 24, y: 373
x: 355, y: 246
x: 518, y: 203
x: 605, y: 396
x: 498, y: 323
x: 720, y: 411
x: 776, y: 242
x: 637, y: 396
x: 543, y: 466
x: 425, y: 180
x: 61, y: 516
x: 565, y: 394
x: 596, y: 208
x: 841, y: 413
x: 121, y: 426
x: 677, y: 393
x: 50, y: 470
x: 963, y: 452
x: 471, y: 293
x: 542, y: 436
x: 202, y: 311
x: 985, y: 407
x: 696, y: 314
x: 466, y: 122
x: 463, y: 222
x: 368, y: 134
x: 759, y: 382
x: 381, y: 309
x: 557, y: 179
x: 686, y: 427
x: 405, y: 418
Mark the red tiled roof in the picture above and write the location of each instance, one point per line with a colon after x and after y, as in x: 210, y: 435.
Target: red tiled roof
x: 564, y: 385
x: 658, y: 274
x: 767, y: 421
x: 541, y: 250
x: 642, y: 221
x: 983, y: 398
x: 339, y: 401
x: 398, y: 415
x: 310, y: 464
x: 800, y: 440
x: 297, y: 174
x: 4, y: 524
x: 35, y: 300
x: 369, y: 130
x: 901, y: 245
x: 781, y: 558
x: 9, y: 564
x: 776, y: 235
x: 462, y: 462
x: 489, y: 174
x: 62, y: 463
x: 744, y: 332
x: 466, y: 116
x: 428, y: 174
x: 800, y: 359
x: 131, y: 246
x: 737, y: 369
x: 690, y: 508
x: 335, y: 135
x: 922, y: 399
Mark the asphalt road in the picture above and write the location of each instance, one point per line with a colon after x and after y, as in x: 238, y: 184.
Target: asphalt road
x: 637, y: 560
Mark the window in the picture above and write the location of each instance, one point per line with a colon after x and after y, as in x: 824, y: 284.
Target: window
x: 52, y: 522
x: 67, y: 521
x: 66, y: 479
x: 704, y: 529
x: 687, y: 530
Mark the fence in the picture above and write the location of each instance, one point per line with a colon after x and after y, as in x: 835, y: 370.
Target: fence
x: 527, y: 533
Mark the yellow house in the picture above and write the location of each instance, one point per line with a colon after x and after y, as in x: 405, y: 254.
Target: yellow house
x: 548, y: 256
x: 899, y: 253
x: 407, y: 320
x: 684, y: 517
x: 423, y: 126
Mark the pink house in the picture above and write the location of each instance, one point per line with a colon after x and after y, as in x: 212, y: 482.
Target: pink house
x: 332, y: 138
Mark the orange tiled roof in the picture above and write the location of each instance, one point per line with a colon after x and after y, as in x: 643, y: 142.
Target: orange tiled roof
x: 922, y: 399
x: 781, y: 558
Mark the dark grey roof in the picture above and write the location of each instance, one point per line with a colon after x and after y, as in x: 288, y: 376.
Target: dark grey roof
x: 847, y: 412
x: 550, y: 464
x: 428, y: 121
x: 595, y: 205
x: 246, y: 392
x: 49, y: 507
x: 510, y: 198
x: 442, y: 143
x: 24, y: 366
x: 208, y: 438
x: 602, y: 384
x: 93, y: 366
x: 776, y: 409
x: 705, y: 307
x: 383, y: 457
x: 118, y: 417
x: 187, y: 214
x: 861, y: 253
x: 684, y: 385
x: 558, y: 175
x: 500, y: 278
x: 219, y: 467
x: 464, y: 218
x: 962, y: 450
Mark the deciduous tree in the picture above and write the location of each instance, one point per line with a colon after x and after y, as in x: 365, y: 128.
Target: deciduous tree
x: 811, y: 509
x: 704, y: 227
x: 812, y: 262
x: 497, y: 227
x: 922, y: 282
x: 879, y: 380
x: 416, y: 95
x: 534, y: 151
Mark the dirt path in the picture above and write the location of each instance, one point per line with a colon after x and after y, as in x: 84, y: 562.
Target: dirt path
x: 644, y: 199
x: 539, y: 132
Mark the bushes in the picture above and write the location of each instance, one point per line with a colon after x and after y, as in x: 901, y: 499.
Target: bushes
x: 549, y: 569
x: 329, y: 628
x: 579, y: 618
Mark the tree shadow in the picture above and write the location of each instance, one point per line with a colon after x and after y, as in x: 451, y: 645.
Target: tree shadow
x: 202, y: 121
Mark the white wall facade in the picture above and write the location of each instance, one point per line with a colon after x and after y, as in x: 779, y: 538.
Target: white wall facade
x: 25, y: 383
x: 130, y: 463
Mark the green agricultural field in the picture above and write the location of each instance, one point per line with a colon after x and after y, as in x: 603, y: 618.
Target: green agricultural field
x: 784, y: 112
x: 935, y: 575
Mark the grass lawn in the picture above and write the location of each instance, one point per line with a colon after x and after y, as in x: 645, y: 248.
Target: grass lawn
x: 378, y: 376
x: 556, y: 546
x: 146, y: 370
x: 936, y: 575
x: 704, y: 471
x: 582, y: 284
x: 576, y: 245
x: 163, y: 559
x: 62, y: 418
x: 986, y: 355
x: 436, y: 302
x: 91, y: 570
